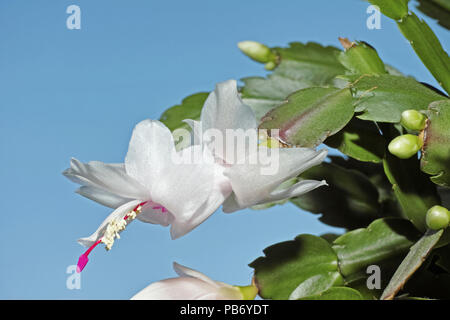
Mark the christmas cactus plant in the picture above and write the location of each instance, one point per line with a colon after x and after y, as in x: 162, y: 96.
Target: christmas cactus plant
x: 388, y: 189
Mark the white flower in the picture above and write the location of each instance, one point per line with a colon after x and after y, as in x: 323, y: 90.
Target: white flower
x: 193, y: 285
x: 153, y: 185
x: 224, y: 111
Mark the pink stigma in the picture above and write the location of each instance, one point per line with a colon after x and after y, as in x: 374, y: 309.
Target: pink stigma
x: 82, y: 262
x: 83, y: 259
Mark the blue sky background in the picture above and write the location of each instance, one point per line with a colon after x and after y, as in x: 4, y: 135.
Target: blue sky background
x: 79, y: 93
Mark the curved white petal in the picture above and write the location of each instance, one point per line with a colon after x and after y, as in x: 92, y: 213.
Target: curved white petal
x: 296, y: 190
x: 251, y: 187
x: 224, y: 293
x: 231, y: 204
x: 184, y: 271
x: 149, y: 153
x: 186, y: 288
x: 191, y: 285
x: 187, y: 183
x: 103, y: 197
x: 119, y: 213
x: 182, y: 182
x: 178, y: 182
x: 110, y: 178
x: 225, y: 111
x: 221, y: 189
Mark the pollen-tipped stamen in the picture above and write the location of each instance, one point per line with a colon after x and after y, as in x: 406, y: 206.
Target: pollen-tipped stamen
x: 112, y: 232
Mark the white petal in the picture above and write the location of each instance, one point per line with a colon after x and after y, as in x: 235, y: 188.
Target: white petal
x: 250, y: 187
x: 119, y: 213
x: 224, y: 110
x: 185, y: 288
x: 220, y: 191
x: 152, y: 213
x: 185, y: 186
x: 149, y: 153
x: 296, y: 190
x: 110, y: 178
x: 191, y: 285
x: 181, y: 182
x: 184, y: 271
x: 103, y: 197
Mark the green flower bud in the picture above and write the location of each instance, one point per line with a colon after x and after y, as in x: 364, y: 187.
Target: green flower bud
x: 405, y: 146
x: 437, y: 218
x: 248, y: 292
x: 413, y: 120
x: 258, y: 52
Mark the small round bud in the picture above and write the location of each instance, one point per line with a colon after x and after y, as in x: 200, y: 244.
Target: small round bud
x: 413, y: 120
x: 257, y: 51
x: 405, y: 146
x: 437, y: 218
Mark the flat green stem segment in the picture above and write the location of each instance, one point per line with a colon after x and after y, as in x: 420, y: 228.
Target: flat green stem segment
x: 361, y: 58
x: 436, y: 9
x: 311, y: 115
x: 352, y: 199
x: 427, y: 47
x: 416, y: 256
x: 436, y: 148
x: 421, y: 37
x: 394, y: 9
x: 337, y: 293
x: 383, y: 240
x: 301, y: 66
x: 307, y: 265
x: 360, y: 140
x: 383, y: 98
x: 412, y: 188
